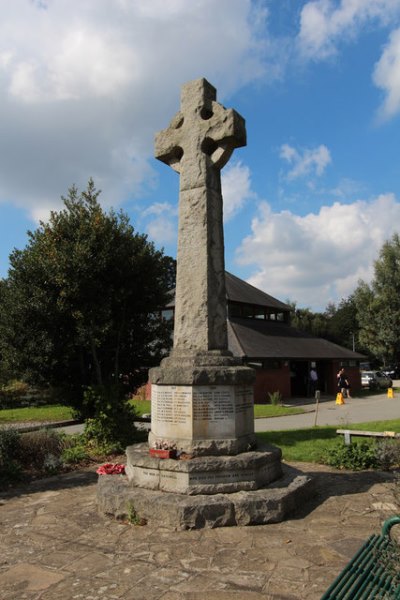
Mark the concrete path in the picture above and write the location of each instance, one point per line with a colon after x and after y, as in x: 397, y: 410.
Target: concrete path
x: 355, y: 410
x: 55, y: 546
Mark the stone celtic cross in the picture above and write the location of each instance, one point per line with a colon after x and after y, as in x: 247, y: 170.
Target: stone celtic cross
x: 197, y: 144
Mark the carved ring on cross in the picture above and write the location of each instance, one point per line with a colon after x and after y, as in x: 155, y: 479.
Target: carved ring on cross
x: 220, y: 131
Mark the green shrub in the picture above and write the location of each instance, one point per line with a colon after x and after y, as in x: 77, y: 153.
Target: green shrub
x: 14, y: 388
x: 10, y: 468
x: 9, y: 439
x: 388, y: 453
x: 112, y: 427
x: 12, y: 392
x: 133, y: 517
x: 388, y: 557
x: 41, y: 450
x: 356, y: 456
x: 17, y: 394
x: 74, y: 455
x: 275, y: 398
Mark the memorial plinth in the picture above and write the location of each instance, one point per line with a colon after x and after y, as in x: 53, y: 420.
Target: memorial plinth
x: 203, y: 409
x: 202, y: 396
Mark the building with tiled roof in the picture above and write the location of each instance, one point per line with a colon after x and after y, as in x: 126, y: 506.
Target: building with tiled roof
x: 259, y: 332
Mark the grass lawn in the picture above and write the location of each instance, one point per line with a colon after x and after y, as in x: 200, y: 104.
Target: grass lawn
x: 309, y: 445
x: 142, y: 407
x: 269, y: 410
x: 55, y: 412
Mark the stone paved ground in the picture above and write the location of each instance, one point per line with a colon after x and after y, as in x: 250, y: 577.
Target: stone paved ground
x: 55, y: 546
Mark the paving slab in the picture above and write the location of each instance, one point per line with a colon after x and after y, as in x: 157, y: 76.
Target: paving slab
x: 55, y: 545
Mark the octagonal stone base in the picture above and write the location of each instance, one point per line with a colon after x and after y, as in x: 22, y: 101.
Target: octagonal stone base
x: 204, y: 474
x: 272, y: 504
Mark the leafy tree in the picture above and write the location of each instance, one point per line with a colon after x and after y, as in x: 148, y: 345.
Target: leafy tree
x: 79, y: 306
x: 306, y: 320
x: 5, y: 375
x: 378, y: 304
x: 337, y: 323
x: 343, y: 324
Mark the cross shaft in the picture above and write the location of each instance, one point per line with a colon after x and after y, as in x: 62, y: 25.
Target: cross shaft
x: 197, y: 144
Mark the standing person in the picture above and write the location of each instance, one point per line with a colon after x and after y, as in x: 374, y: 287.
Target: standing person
x: 343, y: 383
x: 313, y: 380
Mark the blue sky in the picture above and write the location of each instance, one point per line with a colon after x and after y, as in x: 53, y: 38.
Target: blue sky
x: 308, y: 202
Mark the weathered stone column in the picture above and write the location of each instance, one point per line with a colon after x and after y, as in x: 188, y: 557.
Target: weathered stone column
x: 197, y: 144
x: 202, y: 396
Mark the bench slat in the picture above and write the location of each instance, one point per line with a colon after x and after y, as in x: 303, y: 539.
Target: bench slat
x: 391, y: 434
x: 365, y: 577
x: 348, y: 433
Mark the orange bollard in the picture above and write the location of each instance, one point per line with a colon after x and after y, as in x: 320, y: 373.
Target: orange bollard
x: 339, y: 398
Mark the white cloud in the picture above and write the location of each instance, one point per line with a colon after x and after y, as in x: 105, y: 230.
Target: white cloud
x: 162, y: 231
x: 320, y: 257
x: 325, y: 24
x: 306, y: 162
x: 83, y: 90
x: 387, y: 75
x: 162, y: 225
x: 160, y: 208
x: 41, y: 212
x: 236, y: 190
x: 347, y: 188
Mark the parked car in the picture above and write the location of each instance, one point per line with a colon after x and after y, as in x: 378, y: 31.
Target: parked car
x: 375, y: 380
x: 392, y: 372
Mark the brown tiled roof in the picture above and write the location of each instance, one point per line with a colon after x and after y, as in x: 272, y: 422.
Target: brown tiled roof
x: 257, y: 338
x: 238, y: 290
x: 253, y: 338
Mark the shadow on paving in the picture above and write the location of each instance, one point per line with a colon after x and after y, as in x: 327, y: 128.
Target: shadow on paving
x: 327, y: 484
x: 334, y: 483
x: 57, y: 482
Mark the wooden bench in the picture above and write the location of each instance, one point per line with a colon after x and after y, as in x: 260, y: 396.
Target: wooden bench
x: 374, y: 571
x: 348, y: 433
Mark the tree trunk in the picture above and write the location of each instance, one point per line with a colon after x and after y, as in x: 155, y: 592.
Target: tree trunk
x: 97, y: 368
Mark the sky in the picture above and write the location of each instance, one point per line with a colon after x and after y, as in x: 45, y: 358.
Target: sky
x: 308, y: 203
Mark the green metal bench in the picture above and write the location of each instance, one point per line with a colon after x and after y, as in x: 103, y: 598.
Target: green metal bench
x: 374, y: 572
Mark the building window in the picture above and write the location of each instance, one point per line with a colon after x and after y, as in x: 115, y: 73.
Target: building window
x: 348, y: 363
x: 235, y: 310
x: 252, y: 311
x: 248, y: 311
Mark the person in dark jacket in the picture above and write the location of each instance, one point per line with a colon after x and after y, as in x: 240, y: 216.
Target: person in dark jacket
x: 343, y: 384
